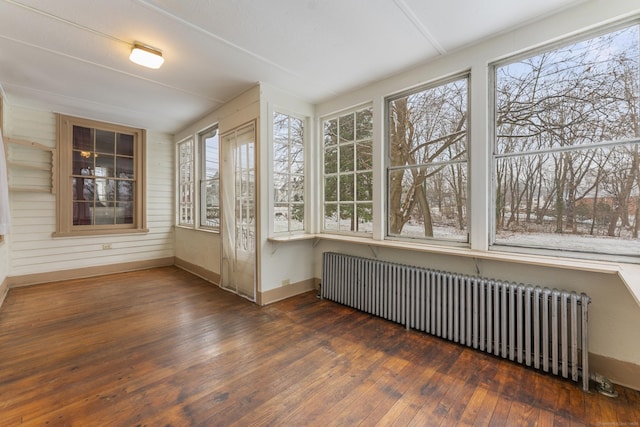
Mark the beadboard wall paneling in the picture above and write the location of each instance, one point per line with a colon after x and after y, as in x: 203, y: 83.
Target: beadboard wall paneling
x: 34, y: 250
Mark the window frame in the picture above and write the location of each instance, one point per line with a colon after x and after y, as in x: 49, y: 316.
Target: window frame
x: 305, y: 182
x: 388, y: 168
x: 200, y: 153
x: 354, y: 172
x: 495, y: 244
x: 64, y: 196
x: 181, y: 205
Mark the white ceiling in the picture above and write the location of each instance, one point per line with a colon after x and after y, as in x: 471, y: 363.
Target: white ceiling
x: 71, y: 56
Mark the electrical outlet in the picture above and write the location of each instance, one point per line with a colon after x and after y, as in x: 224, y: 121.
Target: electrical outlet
x: 106, y: 246
x: 285, y: 282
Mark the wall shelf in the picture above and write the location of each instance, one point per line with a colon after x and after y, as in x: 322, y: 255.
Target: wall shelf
x: 49, y: 168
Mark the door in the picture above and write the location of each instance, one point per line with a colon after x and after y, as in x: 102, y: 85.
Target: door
x: 238, y: 220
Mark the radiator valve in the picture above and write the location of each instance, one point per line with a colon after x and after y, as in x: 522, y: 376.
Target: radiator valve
x: 604, y: 385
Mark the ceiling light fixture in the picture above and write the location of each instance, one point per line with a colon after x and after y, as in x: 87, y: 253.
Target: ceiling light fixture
x: 146, y: 56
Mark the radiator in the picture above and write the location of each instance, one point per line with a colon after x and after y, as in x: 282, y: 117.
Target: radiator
x: 541, y: 328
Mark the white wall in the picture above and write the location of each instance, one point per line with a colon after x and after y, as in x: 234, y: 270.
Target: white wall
x: 202, y: 248
x: 614, y: 316
x: 34, y: 250
x: 283, y: 262
x: 4, y: 265
x: 198, y: 247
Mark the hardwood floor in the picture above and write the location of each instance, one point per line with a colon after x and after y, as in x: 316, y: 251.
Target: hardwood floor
x: 164, y: 348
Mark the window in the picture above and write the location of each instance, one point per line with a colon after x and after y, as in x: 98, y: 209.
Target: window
x: 288, y: 173
x: 210, y: 179
x: 567, y: 152
x: 427, y: 162
x: 185, y: 182
x: 101, y: 177
x: 348, y: 164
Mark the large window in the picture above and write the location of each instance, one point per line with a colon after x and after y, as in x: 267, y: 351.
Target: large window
x: 348, y: 165
x: 427, y: 162
x: 101, y: 177
x: 185, y: 182
x: 567, y: 146
x: 210, y: 179
x: 288, y: 173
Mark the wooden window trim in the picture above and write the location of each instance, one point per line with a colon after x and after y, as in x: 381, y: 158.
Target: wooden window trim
x: 64, y: 209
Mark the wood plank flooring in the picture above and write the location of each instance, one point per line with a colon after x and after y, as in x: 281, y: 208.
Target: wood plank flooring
x: 161, y: 347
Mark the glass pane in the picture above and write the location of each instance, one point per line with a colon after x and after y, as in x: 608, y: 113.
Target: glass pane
x: 297, y: 159
x: 346, y: 188
x: 280, y: 127
x: 185, y: 172
x: 346, y: 158
x: 331, y: 160
x: 331, y: 217
x: 82, y: 138
x: 331, y: 189
x: 105, y: 142
x: 364, y: 124
x: 280, y: 217
x: 331, y: 132
x: 211, y: 156
x: 592, y: 208
x: 297, y: 217
x: 211, y: 208
x: 185, y: 193
x: 297, y: 131
x: 347, y: 218
x: 365, y: 217
x: 186, y: 213
x: 124, y: 167
x: 429, y: 126
x: 104, y: 214
x: 364, y: 186
x: 105, y: 190
x: 105, y: 165
x: 429, y: 202
x: 364, y: 155
x: 280, y: 187
x: 280, y: 157
x: 83, y: 189
x: 297, y: 188
x: 124, y: 145
x: 185, y: 152
x: 574, y: 95
x: 82, y: 213
x: 124, y: 213
x: 82, y: 163
x: 346, y: 128
x: 124, y: 190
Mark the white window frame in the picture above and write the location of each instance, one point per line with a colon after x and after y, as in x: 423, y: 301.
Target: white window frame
x: 355, y: 202
x: 466, y: 162
x: 185, y: 206
x: 202, y: 151
x: 570, y: 252
x: 286, y: 198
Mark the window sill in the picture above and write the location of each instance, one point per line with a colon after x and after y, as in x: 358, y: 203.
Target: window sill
x: 192, y: 228
x: 90, y: 233
x: 291, y: 237
x: 628, y: 273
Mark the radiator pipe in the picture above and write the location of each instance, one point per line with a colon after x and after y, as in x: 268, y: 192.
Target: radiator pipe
x: 604, y: 386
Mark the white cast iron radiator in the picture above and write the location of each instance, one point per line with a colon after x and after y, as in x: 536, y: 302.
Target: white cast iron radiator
x: 541, y: 328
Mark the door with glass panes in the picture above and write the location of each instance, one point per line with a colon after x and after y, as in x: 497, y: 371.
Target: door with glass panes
x: 238, y: 219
